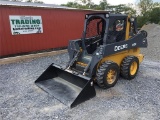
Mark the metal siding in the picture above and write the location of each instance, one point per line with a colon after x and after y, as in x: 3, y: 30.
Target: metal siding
x: 59, y: 26
x: 1, y: 33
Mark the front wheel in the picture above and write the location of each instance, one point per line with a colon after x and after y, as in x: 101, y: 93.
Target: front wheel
x: 107, y: 74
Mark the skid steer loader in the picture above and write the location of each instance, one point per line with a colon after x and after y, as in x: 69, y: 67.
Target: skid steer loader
x: 109, y: 47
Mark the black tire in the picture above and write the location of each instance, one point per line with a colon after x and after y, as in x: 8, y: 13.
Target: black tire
x: 102, y: 74
x: 125, y: 70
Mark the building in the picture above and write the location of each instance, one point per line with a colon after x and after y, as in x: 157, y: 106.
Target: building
x: 28, y: 27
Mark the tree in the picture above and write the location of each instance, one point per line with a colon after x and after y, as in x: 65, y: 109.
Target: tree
x: 82, y: 4
x: 156, y: 4
x: 145, y: 6
x: 87, y: 4
x: 128, y: 9
x: 154, y: 15
x: 150, y: 12
x: 103, y: 4
x: 35, y: 1
x: 72, y: 4
x: 141, y: 20
x: 38, y: 1
x: 122, y: 8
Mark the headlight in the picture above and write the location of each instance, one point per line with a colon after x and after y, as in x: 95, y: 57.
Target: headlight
x: 132, y: 19
x: 97, y: 53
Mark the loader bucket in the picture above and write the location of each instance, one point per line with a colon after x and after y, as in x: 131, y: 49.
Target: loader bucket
x: 69, y: 88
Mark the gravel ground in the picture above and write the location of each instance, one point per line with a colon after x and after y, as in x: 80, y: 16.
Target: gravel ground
x: 138, y: 99
x: 153, y: 50
x: 21, y: 99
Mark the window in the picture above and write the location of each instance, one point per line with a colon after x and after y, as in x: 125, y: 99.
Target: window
x: 95, y: 30
x: 116, y: 31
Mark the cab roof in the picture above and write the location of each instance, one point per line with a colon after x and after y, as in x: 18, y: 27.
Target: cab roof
x: 110, y: 14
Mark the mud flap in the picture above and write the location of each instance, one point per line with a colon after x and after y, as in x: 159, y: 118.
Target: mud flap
x: 65, y: 85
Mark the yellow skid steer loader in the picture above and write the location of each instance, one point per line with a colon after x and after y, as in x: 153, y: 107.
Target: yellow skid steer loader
x: 109, y: 47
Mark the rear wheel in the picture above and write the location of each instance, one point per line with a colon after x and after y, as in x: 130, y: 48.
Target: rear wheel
x: 129, y: 67
x: 107, y: 74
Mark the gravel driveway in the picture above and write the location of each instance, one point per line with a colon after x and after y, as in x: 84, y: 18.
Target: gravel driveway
x: 21, y: 99
x: 138, y: 99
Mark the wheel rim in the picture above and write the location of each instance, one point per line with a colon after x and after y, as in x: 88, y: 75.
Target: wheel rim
x: 111, y: 76
x: 133, y: 68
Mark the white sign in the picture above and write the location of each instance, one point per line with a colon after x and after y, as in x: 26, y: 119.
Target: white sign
x: 25, y: 24
x: 121, y: 47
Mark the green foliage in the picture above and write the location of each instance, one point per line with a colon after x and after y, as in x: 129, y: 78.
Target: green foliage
x: 145, y: 5
x: 154, y: 15
x: 103, y: 5
x: 150, y: 12
x: 38, y: 1
x: 71, y: 4
x: 156, y: 4
x: 82, y: 4
x: 141, y: 20
x: 122, y: 8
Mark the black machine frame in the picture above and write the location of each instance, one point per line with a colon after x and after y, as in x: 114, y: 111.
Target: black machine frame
x: 137, y: 41
x: 73, y: 84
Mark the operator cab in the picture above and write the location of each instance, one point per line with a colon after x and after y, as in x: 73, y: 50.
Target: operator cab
x: 103, y: 28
